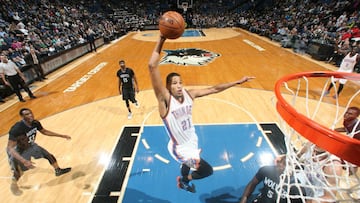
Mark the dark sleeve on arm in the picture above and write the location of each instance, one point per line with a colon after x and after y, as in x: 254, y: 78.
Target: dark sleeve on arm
x: 37, y: 124
x: 12, y: 135
x: 132, y: 73
x: 15, y: 131
x: 260, y: 175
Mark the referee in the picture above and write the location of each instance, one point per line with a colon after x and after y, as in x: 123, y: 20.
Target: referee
x: 13, y: 77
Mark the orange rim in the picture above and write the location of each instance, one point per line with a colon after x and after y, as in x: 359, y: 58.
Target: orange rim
x: 336, y: 143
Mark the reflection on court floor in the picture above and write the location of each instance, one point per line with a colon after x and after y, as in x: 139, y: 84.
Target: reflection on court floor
x: 234, y: 150
x: 193, y: 33
x: 187, y: 33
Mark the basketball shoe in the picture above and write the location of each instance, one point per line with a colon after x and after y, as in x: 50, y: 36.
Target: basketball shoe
x: 61, y: 171
x: 15, y: 188
x: 185, y: 185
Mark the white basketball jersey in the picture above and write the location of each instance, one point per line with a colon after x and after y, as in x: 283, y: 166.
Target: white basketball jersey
x: 178, y: 120
x: 348, y: 63
x: 313, y: 174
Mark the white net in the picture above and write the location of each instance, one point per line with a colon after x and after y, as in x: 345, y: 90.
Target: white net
x: 313, y: 174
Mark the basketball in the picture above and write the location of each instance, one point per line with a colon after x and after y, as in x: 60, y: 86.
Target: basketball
x: 171, y: 25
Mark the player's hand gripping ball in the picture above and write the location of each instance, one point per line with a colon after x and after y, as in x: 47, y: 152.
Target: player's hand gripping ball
x: 171, y: 25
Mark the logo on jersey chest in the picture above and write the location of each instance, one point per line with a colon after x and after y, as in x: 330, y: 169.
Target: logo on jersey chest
x: 189, y: 57
x: 180, y: 112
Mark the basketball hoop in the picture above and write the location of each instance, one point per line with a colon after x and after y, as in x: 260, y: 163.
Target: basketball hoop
x: 185, y: 6
x: 345, y: 147
x: 303, y: 122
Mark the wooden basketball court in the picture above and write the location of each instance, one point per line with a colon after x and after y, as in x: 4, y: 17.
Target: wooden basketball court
x: 91, y: 111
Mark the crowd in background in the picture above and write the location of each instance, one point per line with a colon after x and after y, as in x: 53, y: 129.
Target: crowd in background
x: 292, y: 23
x: 49, y: 26
x: 53, y: 26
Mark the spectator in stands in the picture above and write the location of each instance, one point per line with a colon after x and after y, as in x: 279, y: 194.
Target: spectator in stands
x: 342, y: 18
x: 3, y: 44
x: 9, y: 38
x: 355, y: 32
x: 346, y: 34
x: 33, y: 59
x: 13, y: 29
x: 21, y: 26
x: 16, y: 56
x: 81, y: 40
x: 16, y: 16
x: 16, y: 44
x: 25, y: 47
x: 90, y: 35
x: 2, y: 32
x: 42, y: 47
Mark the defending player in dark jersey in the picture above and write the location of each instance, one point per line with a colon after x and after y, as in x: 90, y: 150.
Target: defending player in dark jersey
x: 351, y: 126
x: 351, y: 123
x: 127, y: 85
x: 270, y: 177
x: 21, y: 146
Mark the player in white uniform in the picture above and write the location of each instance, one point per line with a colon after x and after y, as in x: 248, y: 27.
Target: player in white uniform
x: 347, y: 66
x: 175, y: 108
x: 320, y: 174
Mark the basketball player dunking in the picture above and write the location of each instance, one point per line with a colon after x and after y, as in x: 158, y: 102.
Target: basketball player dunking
x: 175, y: 109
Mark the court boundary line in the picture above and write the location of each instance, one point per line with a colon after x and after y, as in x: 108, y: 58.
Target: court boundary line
x: 106, y: 166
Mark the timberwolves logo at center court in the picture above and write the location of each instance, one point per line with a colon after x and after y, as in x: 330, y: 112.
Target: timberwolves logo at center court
x: 188, y: 57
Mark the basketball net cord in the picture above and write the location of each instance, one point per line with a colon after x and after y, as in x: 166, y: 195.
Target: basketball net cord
x: 312, y: 176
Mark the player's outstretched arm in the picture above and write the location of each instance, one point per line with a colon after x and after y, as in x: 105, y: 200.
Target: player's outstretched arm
x: 161, y: 93
x: 218, y: 88
x: 250, y: 187
x: 51, y: 133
